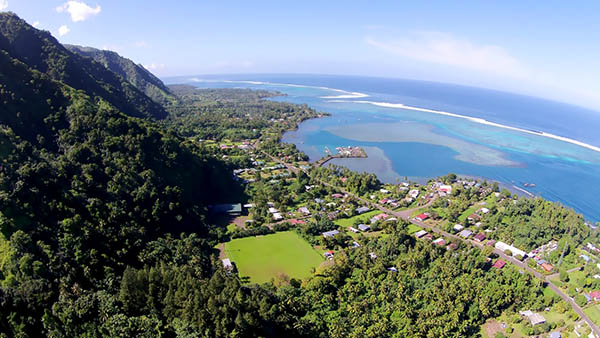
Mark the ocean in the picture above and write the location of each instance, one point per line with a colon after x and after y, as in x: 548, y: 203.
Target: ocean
x: 419, y: 130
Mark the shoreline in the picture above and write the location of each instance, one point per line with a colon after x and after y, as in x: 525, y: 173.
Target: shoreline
x: 356, y: 95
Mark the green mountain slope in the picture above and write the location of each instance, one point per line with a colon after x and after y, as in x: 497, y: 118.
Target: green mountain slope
x: 42, y: 52
x: 85, y: 185
x: 137, y: 75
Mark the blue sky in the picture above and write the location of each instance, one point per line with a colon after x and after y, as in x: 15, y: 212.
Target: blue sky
x: 548, y: 49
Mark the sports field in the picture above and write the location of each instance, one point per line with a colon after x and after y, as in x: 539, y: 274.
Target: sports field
x: 264, y: 257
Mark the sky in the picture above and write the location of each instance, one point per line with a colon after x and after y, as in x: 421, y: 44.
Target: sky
x: 548, y: 49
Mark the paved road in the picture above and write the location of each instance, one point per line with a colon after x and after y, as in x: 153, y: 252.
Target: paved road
x: 509, y: 259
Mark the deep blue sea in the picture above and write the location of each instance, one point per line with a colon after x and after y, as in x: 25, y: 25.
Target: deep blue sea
x: 419, y: 130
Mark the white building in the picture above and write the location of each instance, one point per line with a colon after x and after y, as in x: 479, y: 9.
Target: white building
x: 227, y: 264
x: 515, y: 252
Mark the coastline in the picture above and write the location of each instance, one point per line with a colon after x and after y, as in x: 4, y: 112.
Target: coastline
x: 356, y: 95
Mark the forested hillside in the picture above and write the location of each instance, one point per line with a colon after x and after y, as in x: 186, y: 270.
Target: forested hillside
x: 40, y: 51
x: 84, y: 186
x: 135, y: 74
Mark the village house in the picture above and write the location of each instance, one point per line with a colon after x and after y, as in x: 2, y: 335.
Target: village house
x: 515, y: 252
x: 234, y: 209
x: 379, y: 217
x: 480, y: 237
x: 534, y: 318
x: 227, y: 264
x: 422, y: 217
x: 474, y: 218
x: 277, y: 216
x: 499, y: 264
x: 554, y: 334
x: 332, y: 215
x: 372, y: 255
x: 595, y: 295
x: 483, y: 211
x: 458, y: 227
x: 330, y: 233
x: 413, y: 193
x: 355, y: 245
x: 328, y: 254
x: 420, y: 233
x: 547, y: 266
x: 446, y: 189
x: 452, y: 246
x: 440, y: 241
x: 353, y: 229
x: 304, y: 210
x: 362, y: 210
x: 363, y: 227
x: 465, y: 233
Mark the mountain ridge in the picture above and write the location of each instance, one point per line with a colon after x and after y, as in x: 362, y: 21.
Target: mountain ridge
x: 136, y: 74
x: 40, y: 51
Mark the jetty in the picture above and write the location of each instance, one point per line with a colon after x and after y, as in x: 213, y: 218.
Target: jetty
x: 342, y: 152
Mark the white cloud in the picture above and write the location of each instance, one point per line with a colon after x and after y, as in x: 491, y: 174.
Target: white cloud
x: 63, y: 30
x: 114, y: 48
x: 3, y: 4
x: 445, y: 49
x: 36, y: 24
x: 154, y: 66
x: 141, y: 44
x: 79, y: 10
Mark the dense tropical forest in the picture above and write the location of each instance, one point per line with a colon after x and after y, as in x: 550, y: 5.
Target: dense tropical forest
x: 107, y: 178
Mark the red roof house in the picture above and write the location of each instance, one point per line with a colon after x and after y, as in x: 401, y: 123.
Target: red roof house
x: 595, y: 295
x: 422, y: 217
x: 499, y: 264
x: 480, y: 237
x: 547, y: 267
x: 474, y: 218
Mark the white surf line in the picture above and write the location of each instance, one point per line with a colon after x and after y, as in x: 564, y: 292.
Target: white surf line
x: 345, y: 94
x: 523, y: 190
x: 476, y: 120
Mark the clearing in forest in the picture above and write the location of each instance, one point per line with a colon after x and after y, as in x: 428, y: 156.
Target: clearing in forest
x: 264, y: 257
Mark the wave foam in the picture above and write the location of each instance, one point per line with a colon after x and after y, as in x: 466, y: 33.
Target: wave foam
x: 475, y: 120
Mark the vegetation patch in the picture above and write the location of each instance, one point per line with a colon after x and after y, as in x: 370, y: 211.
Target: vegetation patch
x: 346, y: 222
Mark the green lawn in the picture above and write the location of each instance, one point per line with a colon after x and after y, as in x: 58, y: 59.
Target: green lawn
x: 463, y: 217
x: 413, y: 229
x: 594, y: 313
x: 346, y: 222
x: 264, y: 257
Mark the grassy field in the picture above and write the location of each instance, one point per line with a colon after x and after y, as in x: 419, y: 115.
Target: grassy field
x: 594, y: 313
x: 463, y: 217
x: 413, y: 229
x: 264, y: 257
x: 346, y: 222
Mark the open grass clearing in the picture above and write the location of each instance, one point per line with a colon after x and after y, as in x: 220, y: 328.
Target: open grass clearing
x: 264, y: 257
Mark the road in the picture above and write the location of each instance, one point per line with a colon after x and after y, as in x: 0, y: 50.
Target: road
x: 509, y: 259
